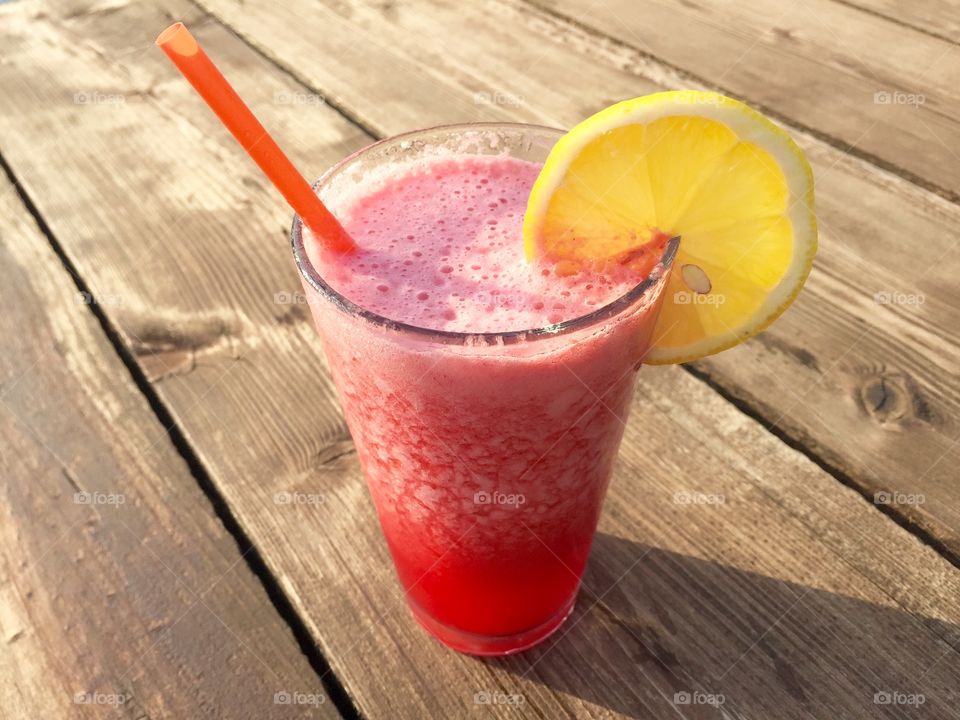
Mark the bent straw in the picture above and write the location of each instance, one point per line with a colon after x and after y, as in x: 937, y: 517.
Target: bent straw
x: 185, y: 52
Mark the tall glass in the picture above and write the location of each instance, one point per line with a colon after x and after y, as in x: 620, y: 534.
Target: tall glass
x: 487, y: 455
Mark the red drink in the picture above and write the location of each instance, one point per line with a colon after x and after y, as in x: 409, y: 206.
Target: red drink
x: 486, y: 396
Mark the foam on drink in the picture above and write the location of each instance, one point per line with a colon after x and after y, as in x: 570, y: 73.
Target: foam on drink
x: 440, y: 247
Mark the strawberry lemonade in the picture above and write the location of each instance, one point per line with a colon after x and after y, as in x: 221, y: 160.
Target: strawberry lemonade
x: 485, y: 295
x: 506, y: 284
x: 486, y: 394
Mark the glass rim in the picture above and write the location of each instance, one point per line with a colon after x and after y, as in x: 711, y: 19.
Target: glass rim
x: 455, y: 337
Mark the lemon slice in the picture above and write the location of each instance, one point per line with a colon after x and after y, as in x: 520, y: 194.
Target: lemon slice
x: 734, y: 186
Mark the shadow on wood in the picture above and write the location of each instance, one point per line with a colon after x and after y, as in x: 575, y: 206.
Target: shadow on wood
x: 717, y: 641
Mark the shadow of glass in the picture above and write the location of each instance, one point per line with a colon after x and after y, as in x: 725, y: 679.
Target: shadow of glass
x: 660, y: 634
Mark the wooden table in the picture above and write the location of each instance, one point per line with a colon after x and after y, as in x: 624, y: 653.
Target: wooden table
x: 158, y: 395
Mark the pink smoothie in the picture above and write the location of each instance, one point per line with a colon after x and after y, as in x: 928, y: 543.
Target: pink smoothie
x: 487, y: 460
x: 441, y: 248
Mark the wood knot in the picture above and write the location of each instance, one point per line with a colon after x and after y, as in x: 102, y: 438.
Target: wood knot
x: 891, y: 397
x: 168, y: 346
x: 784, y: 34
x: 332, y: 453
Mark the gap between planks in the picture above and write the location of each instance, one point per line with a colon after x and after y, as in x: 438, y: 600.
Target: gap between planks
x: 844, y: 478
x: 248, y: 551
x: 290, y: 72
x: 895, y: 20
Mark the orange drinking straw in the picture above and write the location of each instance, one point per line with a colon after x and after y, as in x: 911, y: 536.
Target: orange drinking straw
x: 182, y: 48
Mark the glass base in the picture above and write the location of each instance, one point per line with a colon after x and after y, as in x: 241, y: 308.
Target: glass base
x: 473, y: 644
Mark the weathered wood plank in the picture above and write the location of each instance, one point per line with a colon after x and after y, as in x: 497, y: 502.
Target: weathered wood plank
x: 937, y: 17
x: 121, y: 594
x: 873, y: 84
x: 793, y: 584
x: 872, y: 388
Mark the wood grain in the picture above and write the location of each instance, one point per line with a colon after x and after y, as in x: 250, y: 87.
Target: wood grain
x: 873, y: 85
x: 791, y: 596
x: 870, y: 387
x: 940, y: 18
x: 121, y: 595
